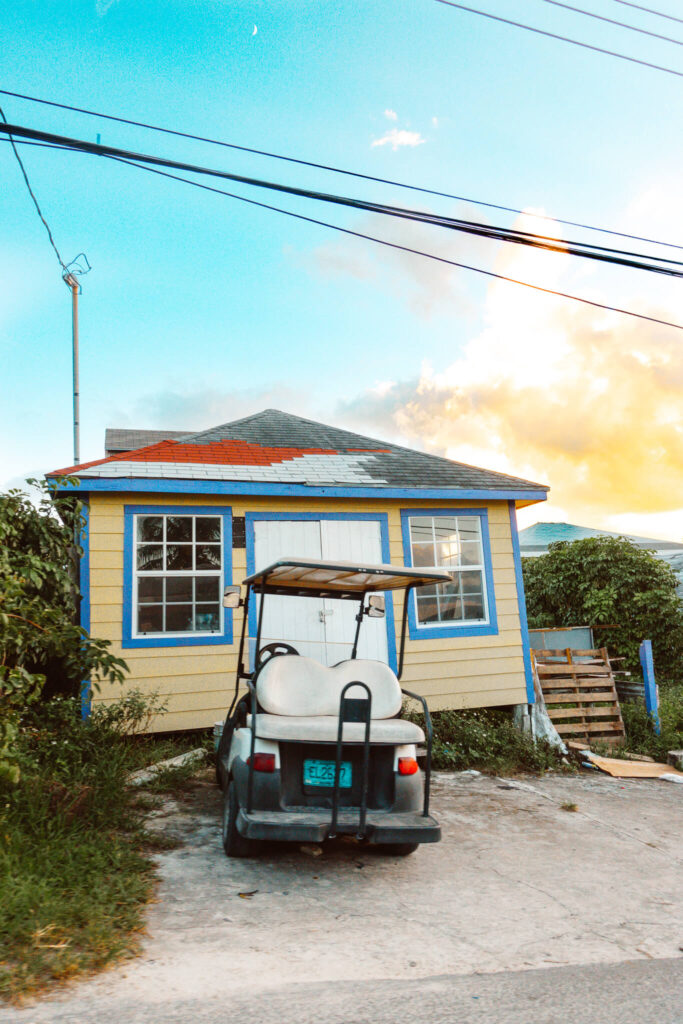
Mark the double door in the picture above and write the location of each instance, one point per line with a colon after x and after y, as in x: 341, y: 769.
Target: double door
x: 320, y: 628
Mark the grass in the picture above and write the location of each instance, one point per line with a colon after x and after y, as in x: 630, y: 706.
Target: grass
x: 640, y: 735
x: 489, y: 741
x: 76, y: 867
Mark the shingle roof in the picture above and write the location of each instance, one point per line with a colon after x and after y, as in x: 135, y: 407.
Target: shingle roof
x: 116, y: 440
x: 278, y: 447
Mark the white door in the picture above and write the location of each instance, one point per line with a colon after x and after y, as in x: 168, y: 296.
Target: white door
x: 323, y: 630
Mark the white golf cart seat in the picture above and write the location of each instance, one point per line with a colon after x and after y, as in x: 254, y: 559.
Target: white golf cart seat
x: 300, y: 702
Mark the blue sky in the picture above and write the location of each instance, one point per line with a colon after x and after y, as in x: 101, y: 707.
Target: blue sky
x: 200, y: 309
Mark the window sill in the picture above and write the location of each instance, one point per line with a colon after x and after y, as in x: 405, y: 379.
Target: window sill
x: 443, y: 631
x: 202, y: 640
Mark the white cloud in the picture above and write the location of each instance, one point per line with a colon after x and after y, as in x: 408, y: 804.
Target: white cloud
x: 102, y: 6
x: 435, y: 122
x: 391, y: 114
x: 399, y: 137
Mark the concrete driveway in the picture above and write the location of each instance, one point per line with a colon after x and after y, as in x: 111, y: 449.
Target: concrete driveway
x: 517, y: 884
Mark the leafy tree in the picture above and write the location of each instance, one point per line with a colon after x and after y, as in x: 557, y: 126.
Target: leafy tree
x: 609, y: 581
x: 39, y: 602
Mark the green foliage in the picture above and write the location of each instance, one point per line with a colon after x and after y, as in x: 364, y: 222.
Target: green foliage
x: 609, y: 581
x: 39, y: 603
x: 488, y: 740
x: 74, y: 867
x: 640, y: 735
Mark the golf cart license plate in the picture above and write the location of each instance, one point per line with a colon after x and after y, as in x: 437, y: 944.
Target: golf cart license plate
x: 321, y: 773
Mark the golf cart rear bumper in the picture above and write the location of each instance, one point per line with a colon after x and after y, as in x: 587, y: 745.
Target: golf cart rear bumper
x: 310, y: 825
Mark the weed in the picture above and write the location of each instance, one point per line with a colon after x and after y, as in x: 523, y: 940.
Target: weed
x: 640, y: 735
x: 569, y: 806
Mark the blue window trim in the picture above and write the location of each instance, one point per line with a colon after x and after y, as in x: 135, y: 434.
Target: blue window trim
x: 84, y: 610
x: 203, y: 640
x: 418, y: 632
x: 262, y: 488
x: 378, y: 517
x: 521, y: 604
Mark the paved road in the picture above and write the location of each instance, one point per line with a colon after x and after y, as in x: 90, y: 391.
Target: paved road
x: 635, y: 992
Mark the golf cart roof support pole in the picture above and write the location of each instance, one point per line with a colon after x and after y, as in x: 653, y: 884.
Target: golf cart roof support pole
x: 404, y: 622
x: 250, y: 781
x: 359, y: 621
x: 240, y: 657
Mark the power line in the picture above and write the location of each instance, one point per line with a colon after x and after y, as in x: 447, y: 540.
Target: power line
x: 611, y: 21
x: 564, y: 39
x: 332, y: 169
x: 656, y: 264
x: 401, y: 248
x: 649, y: 10
x: 33, y: 197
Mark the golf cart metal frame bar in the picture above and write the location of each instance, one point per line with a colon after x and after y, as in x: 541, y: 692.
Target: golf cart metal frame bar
x: 345, y: 582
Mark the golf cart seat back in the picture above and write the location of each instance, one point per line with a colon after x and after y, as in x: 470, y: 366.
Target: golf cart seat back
x: 300, y: 687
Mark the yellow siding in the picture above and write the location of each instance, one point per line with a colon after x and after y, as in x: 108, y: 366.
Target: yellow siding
x: 197, y: 682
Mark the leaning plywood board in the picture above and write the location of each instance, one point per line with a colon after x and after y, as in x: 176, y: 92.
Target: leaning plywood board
x: 580, y: 695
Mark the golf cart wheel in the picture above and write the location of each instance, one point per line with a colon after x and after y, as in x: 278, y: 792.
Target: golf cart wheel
x: 399, y: 849
x: 234, y: 844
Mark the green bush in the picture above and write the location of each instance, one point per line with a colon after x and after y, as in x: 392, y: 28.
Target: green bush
x: 487, y: 740
x: 609, y: 581
x: 640, y: 735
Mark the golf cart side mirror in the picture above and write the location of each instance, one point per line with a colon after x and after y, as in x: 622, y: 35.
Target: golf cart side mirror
x: 376, y: 606
x: 231, y: 597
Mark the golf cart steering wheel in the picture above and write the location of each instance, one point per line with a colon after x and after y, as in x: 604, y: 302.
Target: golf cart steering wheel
x: 273, y: 650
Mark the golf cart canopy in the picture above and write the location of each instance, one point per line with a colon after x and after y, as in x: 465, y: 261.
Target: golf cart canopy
x: 308, y: 578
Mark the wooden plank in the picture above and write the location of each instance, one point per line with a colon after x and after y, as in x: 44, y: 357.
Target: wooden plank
x: 582, y: 698
x: 591, y: 727
x: 558, y: 714
x: 591, y: 683
x: 576, y: 669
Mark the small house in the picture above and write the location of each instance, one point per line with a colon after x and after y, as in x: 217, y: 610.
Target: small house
x: 171, y: 523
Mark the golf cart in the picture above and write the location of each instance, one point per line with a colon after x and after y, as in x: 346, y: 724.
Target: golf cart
x: 311, y: 752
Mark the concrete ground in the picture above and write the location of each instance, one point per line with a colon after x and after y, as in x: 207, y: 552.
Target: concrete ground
x: 517, y: 885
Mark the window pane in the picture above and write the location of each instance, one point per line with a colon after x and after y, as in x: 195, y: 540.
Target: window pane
x: 178, y: 588
x: 208, y: 556
x: 207, y: 617
x: 469, y: 527
x: 471, y: 582
x: 427, y: 609
x: 474, y: 607
x: 150, y: 557
x: 208, y: 528
x: 179, y: 618
x: 450, y: 606
x: 471, y: 553
x: 423, y: 554
x: 207, y: 588
x: 179, y: 528
x: 179, y: 556
x: 421, y: 531
x: 150, y: 528
x: 448, y: 550
x: 150, y: 618
x: 150, y: 589
x: 444, y: 526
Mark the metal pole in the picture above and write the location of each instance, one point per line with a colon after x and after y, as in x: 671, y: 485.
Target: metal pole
x: 74, y: 286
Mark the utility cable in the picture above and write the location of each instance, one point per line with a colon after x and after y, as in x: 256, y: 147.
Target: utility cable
x: 564, y: 39
x: 650, y: 10
x: 332, y: 169
x: 401, y: 248
x: 619, y: 257
x: 33, y: 197
x: 611, y: 21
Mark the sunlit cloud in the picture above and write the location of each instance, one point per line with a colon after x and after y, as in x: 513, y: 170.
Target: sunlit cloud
x: 391, y: 114
x: 398, y: 138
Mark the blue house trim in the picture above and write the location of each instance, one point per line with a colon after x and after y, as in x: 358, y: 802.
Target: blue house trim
x: 84, y: 610
x: 521, y: 604
x: 422, y: 632
x: 380, y: 517
x: 204, y: 639
x: 217, y: 487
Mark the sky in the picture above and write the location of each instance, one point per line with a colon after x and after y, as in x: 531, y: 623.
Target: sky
x: 200, y: 308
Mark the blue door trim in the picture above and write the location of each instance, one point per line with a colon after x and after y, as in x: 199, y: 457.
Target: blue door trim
x: 84, y: 609
x: 379, y: 517
x: 521, y: 604
x: 205, y: 639
x: 420, y: 632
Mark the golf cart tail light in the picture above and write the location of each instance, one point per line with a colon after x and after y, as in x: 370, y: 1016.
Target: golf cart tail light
x: 407, y: 766
x: 263, y: 762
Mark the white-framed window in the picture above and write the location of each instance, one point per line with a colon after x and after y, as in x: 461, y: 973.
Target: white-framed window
x: 453, y: 543
x: 177, y: 574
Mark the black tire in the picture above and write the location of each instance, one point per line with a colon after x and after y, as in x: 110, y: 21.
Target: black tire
x: 234, y: 843
x: 398, y: 849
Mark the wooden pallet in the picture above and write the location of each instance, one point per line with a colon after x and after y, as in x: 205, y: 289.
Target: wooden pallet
x: 580, y: 694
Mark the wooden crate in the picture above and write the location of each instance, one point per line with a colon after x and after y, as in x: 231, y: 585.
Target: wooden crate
x: 580, y: 694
